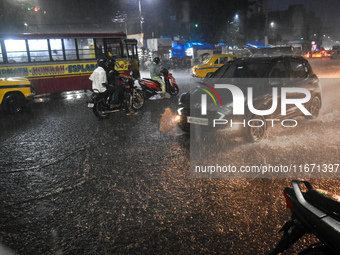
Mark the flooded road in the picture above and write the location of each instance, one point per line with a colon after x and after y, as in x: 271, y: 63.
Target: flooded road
x: 73, y: 184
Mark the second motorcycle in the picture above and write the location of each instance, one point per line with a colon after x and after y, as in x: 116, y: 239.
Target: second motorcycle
x: 151, y: 87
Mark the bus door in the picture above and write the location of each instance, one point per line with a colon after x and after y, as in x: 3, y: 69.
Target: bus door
x: 116, y: 49
x: 132, y: 50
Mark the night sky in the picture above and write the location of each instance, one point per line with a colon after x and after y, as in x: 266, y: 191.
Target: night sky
x: 92, y: 15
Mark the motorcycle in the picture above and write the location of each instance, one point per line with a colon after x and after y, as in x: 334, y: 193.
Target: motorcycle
x: 151, y: 87
x: 133, y: 98
x: 312, y: 212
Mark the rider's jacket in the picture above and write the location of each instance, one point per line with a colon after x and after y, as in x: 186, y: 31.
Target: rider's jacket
x: 112, y: 76
x: 154, y: 70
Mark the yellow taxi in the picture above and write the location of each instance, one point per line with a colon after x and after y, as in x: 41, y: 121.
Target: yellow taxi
x: 15, y: 93
x: 211, y: 64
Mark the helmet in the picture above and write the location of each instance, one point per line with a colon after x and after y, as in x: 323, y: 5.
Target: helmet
x: 111, y: 62
x: 101, y: 62
x: 156, y: 60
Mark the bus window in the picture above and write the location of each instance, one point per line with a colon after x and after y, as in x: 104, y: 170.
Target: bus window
x: 124, y: 53
x: 56, y: 49
x: 1, y: 57
x: 86, y: 48
x: 130, y: 50
x: 131, y: 45
x: 38, y: 50
x: 70, y: 49
x: 114, y: 49
x: 135, y: 51
x: 99, y: 48
x: 16, y: 51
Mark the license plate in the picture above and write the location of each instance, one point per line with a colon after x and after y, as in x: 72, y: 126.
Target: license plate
x: 198, y: 121
x: 90, y: 105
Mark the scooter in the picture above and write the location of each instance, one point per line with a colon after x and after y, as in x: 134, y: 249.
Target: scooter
x: 312, y: 212
x: 151, y: 87
x: 133, y: 98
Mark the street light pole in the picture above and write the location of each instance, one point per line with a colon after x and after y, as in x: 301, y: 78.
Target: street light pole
x: 141, y: 23
x: 140, y: 16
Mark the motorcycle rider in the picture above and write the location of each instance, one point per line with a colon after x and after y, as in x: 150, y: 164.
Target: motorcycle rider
x: 155, y: 74
x: 118, y: 90
x: 99, y: 78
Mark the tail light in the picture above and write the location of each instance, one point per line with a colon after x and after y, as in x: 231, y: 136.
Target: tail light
x: 288, y: 203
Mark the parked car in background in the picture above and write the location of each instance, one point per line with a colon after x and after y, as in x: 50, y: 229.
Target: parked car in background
x: 211, y: 64
x: 318, y: 54
x: 261, y: 74
x: 335, y: 54
x: 273, y: 51
x: 15, y: 93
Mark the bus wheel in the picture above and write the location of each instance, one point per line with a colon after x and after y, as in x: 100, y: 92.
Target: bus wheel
x: 14, y: 103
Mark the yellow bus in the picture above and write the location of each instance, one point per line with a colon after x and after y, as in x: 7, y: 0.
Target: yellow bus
x: 63, y: 62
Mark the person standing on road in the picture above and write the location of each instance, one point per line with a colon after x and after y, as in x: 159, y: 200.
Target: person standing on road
x: 155, y: 74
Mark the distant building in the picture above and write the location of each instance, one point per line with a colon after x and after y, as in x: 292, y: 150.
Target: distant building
x: 294, y: 26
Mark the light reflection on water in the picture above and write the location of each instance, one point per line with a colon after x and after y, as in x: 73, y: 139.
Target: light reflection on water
x: 168, y: 121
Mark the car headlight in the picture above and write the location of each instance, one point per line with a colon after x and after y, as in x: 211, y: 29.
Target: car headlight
x: 178, y: 118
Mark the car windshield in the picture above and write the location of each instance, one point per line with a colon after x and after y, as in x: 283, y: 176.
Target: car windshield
x: 206, y: 60
x: 244, y: 70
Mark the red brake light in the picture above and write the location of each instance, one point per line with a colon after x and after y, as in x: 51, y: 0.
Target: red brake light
x: 288, y: 203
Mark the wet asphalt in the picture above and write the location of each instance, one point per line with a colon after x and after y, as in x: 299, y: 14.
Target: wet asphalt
x: 73, y: 184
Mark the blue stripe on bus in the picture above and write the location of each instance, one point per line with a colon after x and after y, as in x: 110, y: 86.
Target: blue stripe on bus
x: 14, y: 86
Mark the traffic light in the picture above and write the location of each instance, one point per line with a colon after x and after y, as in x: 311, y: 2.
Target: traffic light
x: 35, y: 9
x: 196, y: 25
